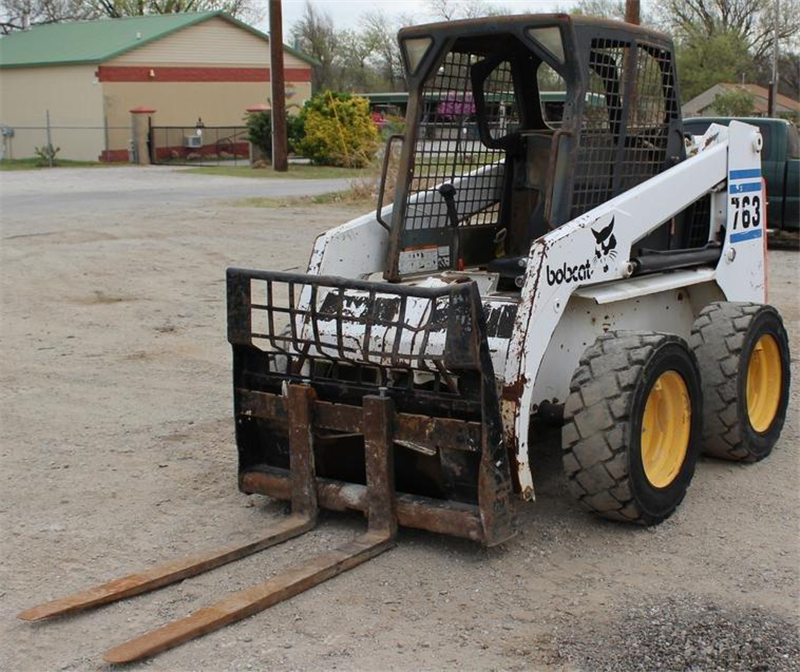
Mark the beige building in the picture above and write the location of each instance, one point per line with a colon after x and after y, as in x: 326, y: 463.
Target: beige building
x: 90, y: 75
x: 702, y: 105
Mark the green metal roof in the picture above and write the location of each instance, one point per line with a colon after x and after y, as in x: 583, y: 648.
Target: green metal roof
x: 388, y: 98
x: 88, y: 42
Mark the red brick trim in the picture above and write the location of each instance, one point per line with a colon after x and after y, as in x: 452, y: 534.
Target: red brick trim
x: 114, y: 156
x: 240, y: 149
x: 119, y: 73
x: 178, y: 152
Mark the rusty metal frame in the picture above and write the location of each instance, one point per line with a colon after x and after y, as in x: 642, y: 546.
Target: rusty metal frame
x: 380, y: 536
x: 578, y: 34
x: 467, y: 420
x: 302, y: 494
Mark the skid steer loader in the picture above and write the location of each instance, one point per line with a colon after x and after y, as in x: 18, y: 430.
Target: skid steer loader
x: 568, y: 263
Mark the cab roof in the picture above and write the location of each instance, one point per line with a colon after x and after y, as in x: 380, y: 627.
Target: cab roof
x: 503, y: 24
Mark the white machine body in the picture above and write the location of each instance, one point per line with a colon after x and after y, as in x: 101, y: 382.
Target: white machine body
x: 575, y: 288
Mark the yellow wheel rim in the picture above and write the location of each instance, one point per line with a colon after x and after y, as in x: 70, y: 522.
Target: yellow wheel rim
x: 666, y: 425
x: 764, y: 383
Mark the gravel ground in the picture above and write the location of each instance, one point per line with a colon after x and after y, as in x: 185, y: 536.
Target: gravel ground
x: 687, y: 632
x: 117, y: 451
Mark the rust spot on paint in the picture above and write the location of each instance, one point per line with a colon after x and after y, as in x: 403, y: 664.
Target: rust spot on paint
x: 513, y: 390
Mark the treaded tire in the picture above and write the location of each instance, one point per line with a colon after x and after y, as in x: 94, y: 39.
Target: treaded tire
x: 723, y: 338
x: 601, y: 437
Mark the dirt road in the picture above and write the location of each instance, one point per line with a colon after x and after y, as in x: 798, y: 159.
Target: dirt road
x: 117, y: 451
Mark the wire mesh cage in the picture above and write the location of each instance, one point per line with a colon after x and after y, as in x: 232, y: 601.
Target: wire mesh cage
x: 602, y: 126
x: 420, y: 339
x: 630, y: 102
x: 449, y: 147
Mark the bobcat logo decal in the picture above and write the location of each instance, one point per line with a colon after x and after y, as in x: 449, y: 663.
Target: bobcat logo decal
x: 606, y: 249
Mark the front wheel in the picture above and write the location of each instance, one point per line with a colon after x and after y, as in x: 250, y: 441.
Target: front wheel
x: 633, y: 422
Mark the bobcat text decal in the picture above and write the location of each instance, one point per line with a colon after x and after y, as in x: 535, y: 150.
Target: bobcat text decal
x: 605, y: 251
x: 569, y: 273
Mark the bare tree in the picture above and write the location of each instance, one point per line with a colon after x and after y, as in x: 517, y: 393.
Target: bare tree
x: 355, y: 72
x: 788, y: 72
x: 450, y: 10
x: 315, y: 35
x: 611, y: 9
x: 789, y: 80
x: 445, y: 9
x: 608, y: 9
x: 119, y: 8
x: 380, y: 34
x: 752, y: 20
x: 19, y: 14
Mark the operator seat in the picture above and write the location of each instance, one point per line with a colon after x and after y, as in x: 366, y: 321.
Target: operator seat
x: 526, y: 221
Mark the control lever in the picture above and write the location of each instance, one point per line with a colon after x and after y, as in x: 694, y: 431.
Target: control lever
x: 448, y: 193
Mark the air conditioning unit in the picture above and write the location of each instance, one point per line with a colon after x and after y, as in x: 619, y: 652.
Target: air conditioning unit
x: 193, y: 141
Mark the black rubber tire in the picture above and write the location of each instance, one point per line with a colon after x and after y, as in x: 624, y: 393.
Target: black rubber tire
x: 601, y: 437
x: 723, y: 337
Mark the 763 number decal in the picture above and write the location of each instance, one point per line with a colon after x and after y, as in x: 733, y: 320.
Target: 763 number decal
x: 746, y: 211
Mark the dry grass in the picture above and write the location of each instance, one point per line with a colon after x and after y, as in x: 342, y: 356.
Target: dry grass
x: 363, y: 189
x: 366, y: 187
x: 344, y: 197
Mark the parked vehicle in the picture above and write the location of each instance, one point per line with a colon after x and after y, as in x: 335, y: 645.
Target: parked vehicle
x: 780, y: 165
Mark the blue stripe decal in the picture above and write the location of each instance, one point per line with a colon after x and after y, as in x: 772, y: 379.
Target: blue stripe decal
x: 745, y: 235
x: 744, y: 174
x: 742, y: 188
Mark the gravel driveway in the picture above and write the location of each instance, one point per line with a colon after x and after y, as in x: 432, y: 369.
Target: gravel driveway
x: 117, y: 451
x: 33, y: 201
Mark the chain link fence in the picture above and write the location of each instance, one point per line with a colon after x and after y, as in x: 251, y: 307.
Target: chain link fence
x: 51, y: 142
x: 180, y: 145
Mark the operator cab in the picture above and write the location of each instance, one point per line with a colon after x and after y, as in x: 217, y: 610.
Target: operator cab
x: 516, y: 125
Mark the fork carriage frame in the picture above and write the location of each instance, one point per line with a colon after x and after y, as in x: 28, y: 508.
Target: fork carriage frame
x: 461, y: 429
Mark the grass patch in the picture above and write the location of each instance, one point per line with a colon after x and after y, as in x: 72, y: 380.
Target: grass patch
x: 36, y: 164
x: 336, y: 197
x: 295, y: 172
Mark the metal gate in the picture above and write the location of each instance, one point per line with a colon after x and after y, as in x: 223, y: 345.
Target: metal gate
x: 199, y: 145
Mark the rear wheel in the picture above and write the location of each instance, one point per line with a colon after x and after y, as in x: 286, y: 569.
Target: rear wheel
x: 632, y: 426
x: 743, y: 352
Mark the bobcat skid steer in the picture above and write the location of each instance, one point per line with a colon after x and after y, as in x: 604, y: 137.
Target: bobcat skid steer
x: 566, y: 262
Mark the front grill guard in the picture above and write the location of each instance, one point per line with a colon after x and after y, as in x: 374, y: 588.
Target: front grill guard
x: 426, y: 348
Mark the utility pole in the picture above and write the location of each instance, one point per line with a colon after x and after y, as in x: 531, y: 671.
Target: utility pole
x: 632, y: 13
x: 279, y: 139
x: 772, y: 105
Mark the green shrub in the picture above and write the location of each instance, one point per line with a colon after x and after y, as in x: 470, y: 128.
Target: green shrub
x: 734, y: 103
x: 338, y: 130
x: 46, y: 155
x: 295, y: 126
x: 259, y: 131
x: 395, y: 125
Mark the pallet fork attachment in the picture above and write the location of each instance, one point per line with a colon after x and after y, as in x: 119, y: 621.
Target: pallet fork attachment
x: 380, y: 536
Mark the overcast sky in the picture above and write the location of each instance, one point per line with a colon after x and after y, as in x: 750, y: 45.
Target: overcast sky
x: 346, y: 13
